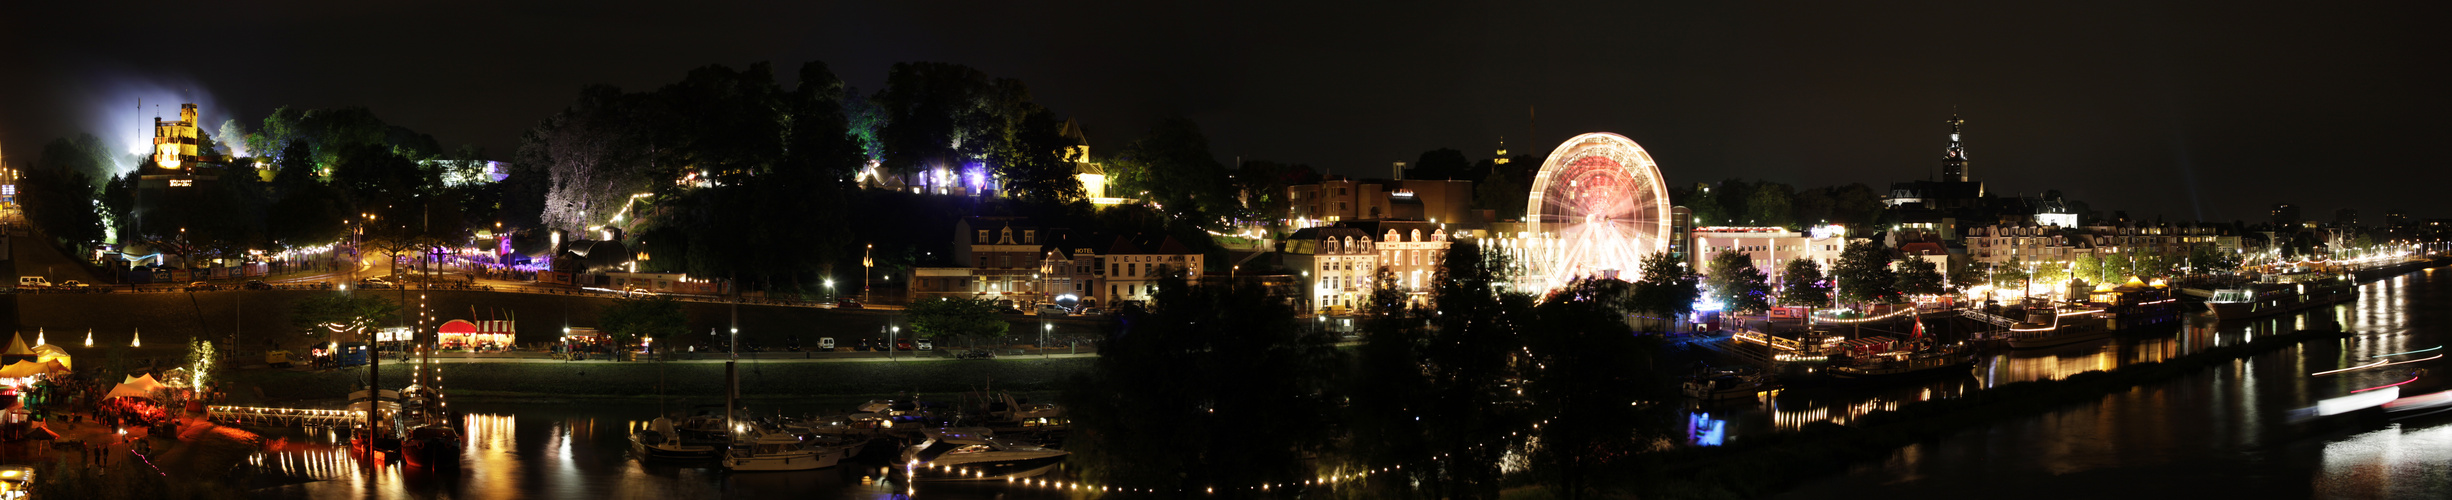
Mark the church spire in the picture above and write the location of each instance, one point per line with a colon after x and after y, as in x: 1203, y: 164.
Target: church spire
x: 1954, y: 160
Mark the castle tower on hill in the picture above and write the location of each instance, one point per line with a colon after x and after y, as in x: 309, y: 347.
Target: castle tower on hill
x: 175, y: 142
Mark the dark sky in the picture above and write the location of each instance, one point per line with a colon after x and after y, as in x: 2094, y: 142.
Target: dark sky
x: 2185, y: 109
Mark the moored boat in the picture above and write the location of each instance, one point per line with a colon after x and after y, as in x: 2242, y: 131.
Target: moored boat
x: 782, y: 451
x: 2280, y: 294
x: 661, y: 441
x: 1884, y: 358
x: 1730, y: 386
x: 974, y: 454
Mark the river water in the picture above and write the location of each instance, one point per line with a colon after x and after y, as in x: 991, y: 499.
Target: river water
x: 575, y: 451
x: 2219, y: 433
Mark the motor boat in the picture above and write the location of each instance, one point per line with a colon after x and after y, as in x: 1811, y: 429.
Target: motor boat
x: 661, y: 441
x: 772, y: 450
x: 974, y: 454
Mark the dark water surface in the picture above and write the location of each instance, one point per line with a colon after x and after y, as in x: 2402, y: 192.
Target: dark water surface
x: 2221, y: 433
x: 2217, y: 433
x: 579, y: 451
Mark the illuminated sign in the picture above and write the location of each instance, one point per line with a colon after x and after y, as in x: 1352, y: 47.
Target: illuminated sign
x: 182, y: 182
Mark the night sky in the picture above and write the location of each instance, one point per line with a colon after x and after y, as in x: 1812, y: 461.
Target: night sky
x: 2182, y: 109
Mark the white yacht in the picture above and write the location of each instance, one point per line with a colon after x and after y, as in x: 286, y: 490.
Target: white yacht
x: 974, y: 454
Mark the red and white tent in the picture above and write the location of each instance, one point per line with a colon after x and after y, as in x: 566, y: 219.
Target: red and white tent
x: 465, y: 333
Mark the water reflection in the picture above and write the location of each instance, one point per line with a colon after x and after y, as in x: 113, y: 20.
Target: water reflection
x: 1794, y: 409
x: 568, y: 451
x: 2219, y: 432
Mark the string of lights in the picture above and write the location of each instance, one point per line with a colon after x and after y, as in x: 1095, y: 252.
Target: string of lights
x: 1320, y: 480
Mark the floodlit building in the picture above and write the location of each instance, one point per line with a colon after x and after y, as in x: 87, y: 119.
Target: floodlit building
x: 1770, y: 247
x: 1135, y: 267
x: 1336, y: 264
x: 1411, y: 250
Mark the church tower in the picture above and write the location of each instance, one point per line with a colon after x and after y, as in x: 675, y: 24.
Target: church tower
x: 1954, y: 161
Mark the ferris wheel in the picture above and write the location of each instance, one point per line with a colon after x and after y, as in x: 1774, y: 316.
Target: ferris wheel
x: 1596, y: 209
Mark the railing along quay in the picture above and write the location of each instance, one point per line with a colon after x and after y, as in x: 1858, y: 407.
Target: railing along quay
x: 283, y: 417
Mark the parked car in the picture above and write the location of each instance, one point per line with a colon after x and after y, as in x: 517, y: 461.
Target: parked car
x: 825, y: 343
x: 927, y: 345
x: 902, y: 345
x: 34, y: 282
x: 847, y: 304
x: 255, y: 285
x: 374, y: 283
x: 76, y: 286
x: 199, y: 286
x: 1053, y: 310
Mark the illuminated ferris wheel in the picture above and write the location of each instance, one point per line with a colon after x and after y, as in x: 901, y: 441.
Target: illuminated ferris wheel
x: 1597, y: 208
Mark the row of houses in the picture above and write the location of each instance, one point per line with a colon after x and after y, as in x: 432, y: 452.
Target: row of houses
x: 1013, y: 259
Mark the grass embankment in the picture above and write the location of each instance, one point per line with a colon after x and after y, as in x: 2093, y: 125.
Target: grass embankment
x: 639, y: 380
x: 1762, y: 466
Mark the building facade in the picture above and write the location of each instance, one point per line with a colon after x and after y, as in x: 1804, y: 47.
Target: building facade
x: 1336, y: 264
x: 1770, y: 247
x: 1337, y: 199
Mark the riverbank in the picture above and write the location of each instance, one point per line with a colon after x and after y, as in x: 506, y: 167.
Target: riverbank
x: 1764, y: 465
x: 647, y: 380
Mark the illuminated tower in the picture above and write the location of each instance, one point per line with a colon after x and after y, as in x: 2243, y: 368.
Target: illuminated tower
x: 174, y: 143
x: 1954, y: 161
x: 1502, y: 152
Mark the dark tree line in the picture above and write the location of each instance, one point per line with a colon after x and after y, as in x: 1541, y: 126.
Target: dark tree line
x: 1224, y: 386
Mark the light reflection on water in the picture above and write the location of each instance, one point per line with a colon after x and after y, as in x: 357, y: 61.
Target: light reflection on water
x: 563, y: 451
x: 2216, y: 433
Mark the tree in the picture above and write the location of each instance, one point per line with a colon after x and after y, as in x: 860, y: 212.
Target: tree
x: 958, y: 319
x: 589, y: 160
x: 1173, y: 164
x: 1705, y: 202
x: 631, y: 320
x: 1966, y: 274
x: 1587, y: 367
x: 83, y: 155
x: 1031, y: 159
x: 1737, y: 285
x: 342, y: 316
x: 1768, y: 205
x: 1442, y: 163
x: 1863, y: 274
x: 1802, y: 285
x: 1209, y: 386
x: 1668, y: 287
x: 2087, y: 267
x: 1917, y: 276
x: 2010, y: 275
x: 61, y: 203
x: 1856, y: 205
x: 937, y: 115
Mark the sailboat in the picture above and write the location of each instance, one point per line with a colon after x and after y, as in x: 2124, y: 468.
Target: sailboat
x: 432, y: 440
